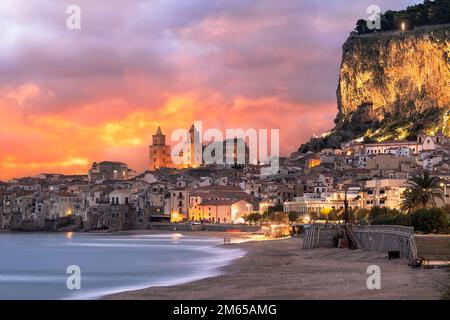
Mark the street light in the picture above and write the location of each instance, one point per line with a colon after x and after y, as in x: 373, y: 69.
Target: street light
x: 445, y: 190
x: 345, y: 208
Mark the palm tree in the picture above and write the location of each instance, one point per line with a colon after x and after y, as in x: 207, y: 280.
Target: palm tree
x: 422, y: 192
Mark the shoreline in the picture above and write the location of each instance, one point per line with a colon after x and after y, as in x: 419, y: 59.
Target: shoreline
x: 226, y: 259
x: 203, y: 253
x: 280, y: 270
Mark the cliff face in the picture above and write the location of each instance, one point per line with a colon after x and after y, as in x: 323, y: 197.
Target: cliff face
x: 395, y: 73
x: 392, y: 85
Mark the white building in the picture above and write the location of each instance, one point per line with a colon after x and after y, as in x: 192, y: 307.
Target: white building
x: 392, y: 147
x: 383, y: 193
x: 325, y: 202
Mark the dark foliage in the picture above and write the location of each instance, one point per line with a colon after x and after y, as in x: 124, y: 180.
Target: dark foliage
x: 434, y: 220
x: 427, y: 13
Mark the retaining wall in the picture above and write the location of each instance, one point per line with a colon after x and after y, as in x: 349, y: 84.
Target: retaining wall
x: 202, y: 227
x: 320, y: 236
x: 377, y: 238
x: 387, y: 238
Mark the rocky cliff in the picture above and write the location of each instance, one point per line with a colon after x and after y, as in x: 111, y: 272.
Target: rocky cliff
x: 392, y: 85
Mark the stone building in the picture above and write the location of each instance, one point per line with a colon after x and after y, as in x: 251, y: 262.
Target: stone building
x: 221, y: 211
x: 109, y: 170
x: 159, y: 153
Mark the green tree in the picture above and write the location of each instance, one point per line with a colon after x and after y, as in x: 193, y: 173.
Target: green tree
x: 293, y: 216
x: 387, y: 216
x: 334, y: 215
x: 362, y: 215
x: 422, y: 192
x: 270, y: 210
x: 253, y: 217
x: 428, y: 13
x: 430, y: 220
x: 361, y: 26
x: 279, y: 217
x: 275, y: 208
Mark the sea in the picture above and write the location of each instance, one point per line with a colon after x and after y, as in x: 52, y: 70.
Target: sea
x: 53, y: 266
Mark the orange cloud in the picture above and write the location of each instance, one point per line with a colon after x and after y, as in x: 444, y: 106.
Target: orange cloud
x: 69, y: 141
x: 68, y: 99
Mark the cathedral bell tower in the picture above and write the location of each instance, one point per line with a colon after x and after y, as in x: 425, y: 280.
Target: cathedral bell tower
x: 159, y: 154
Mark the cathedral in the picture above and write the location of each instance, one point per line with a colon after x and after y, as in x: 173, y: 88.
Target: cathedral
x: 160, y: 154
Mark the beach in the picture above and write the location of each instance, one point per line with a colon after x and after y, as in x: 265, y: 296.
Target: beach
x: 280, y: 269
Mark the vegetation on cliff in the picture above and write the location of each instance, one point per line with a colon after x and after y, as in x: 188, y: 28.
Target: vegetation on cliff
x: 427, y: 13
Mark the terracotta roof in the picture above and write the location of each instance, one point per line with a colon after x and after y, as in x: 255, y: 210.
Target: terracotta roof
x: 218, y: 203
x: 115, y: 163
x: 25, y: 194
x: 357, y: 170
x: 399, y: 142
x: 241, y: 195
x: 219, y: 188
x: 65, y: 194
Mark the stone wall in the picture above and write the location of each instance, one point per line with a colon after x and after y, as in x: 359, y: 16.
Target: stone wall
x: 202, y: 227
x: 320, y: 236
x: 387, y: 238
x: 377, y: 238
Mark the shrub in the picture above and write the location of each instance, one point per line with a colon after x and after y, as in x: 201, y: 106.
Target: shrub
x: 279, y: 217
x: 253, y: 217
x: 275, y: 208
x: 427, y: 13
x: 361, y: 215
x: 293, y: 216
x: 388, y: 216
x: 424, y: 220
x: 430, y: 220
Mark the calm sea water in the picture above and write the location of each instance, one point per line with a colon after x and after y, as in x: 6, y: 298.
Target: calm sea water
x: 33, y: 266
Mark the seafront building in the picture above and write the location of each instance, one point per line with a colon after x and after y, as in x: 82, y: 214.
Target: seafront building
x: 112, y: 196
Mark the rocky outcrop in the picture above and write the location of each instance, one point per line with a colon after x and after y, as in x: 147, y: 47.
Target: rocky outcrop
x: 392, y: 85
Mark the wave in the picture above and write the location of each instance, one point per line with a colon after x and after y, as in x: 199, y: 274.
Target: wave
x: 212, y: 266
x: 41, y: 263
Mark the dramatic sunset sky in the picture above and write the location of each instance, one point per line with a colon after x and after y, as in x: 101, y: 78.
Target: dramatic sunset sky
x: 71, y: 97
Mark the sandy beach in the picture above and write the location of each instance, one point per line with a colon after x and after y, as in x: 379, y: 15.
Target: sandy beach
x: 280, y: 269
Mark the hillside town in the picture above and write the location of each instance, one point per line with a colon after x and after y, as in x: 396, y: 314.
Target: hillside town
x: 111, y: 196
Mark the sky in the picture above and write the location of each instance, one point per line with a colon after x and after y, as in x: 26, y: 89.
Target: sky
x: 72, y: 97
